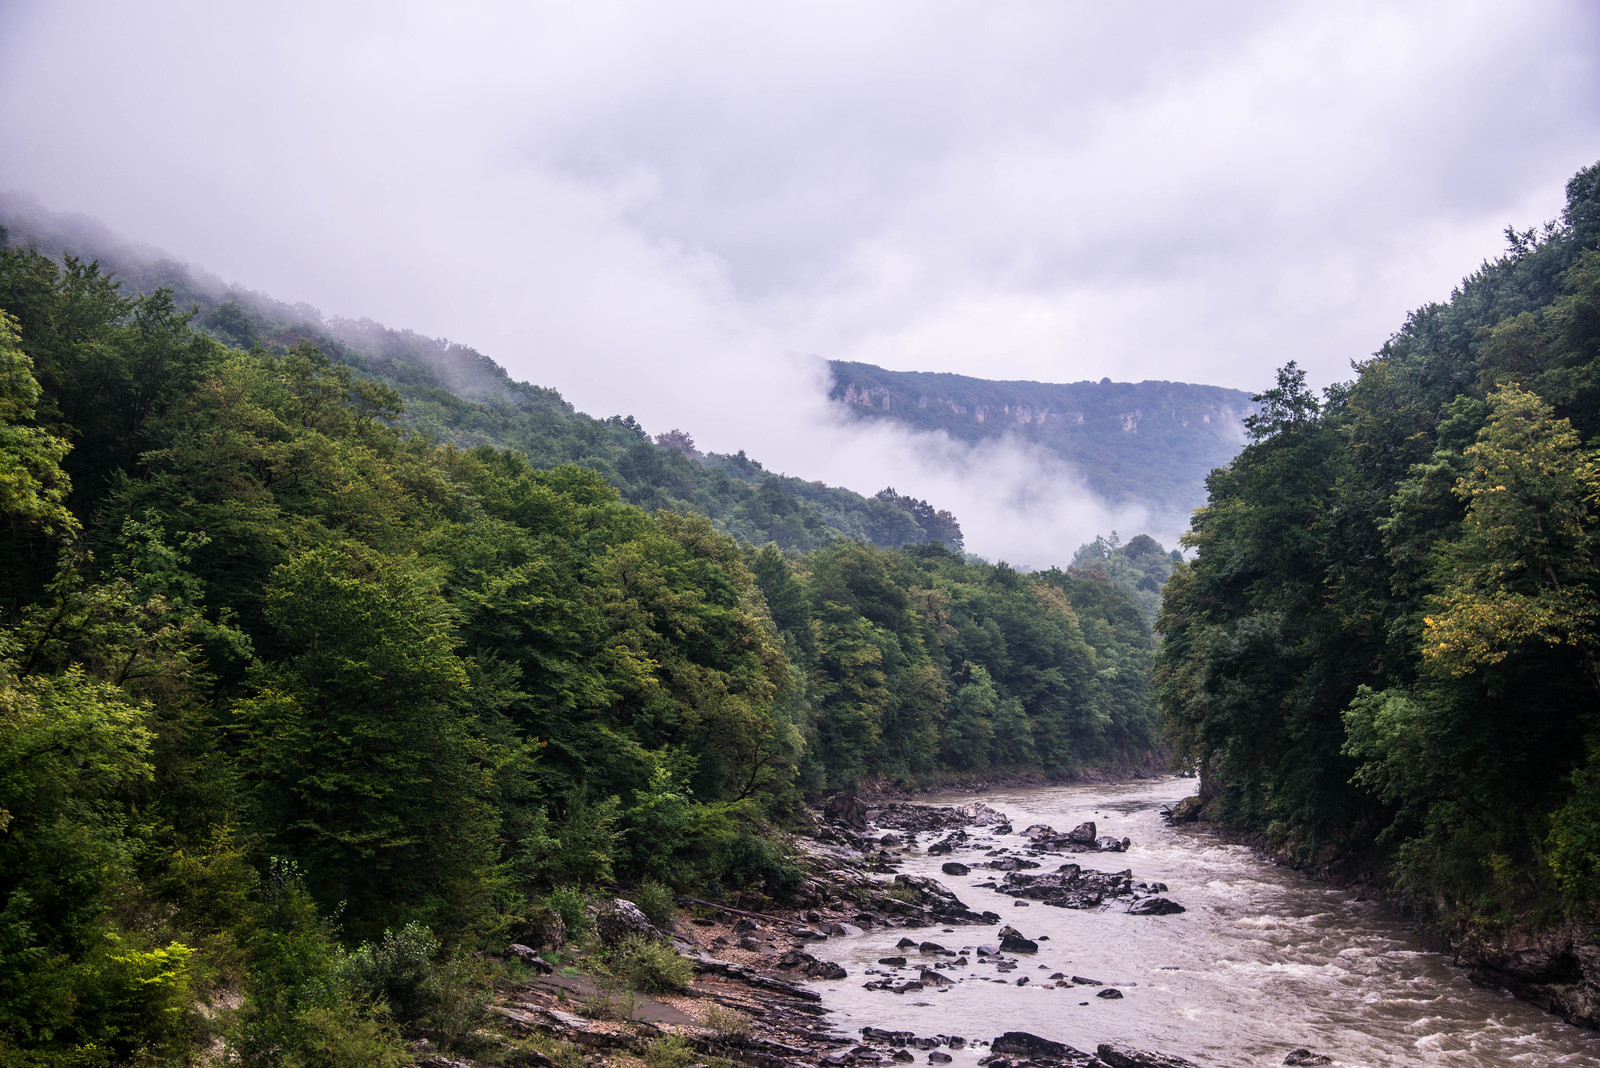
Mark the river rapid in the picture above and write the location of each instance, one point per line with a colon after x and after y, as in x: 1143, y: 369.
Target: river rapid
x: 1265, y: 960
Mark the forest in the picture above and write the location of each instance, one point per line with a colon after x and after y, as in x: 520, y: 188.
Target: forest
x: 305, y: 702
x: 1383, y: 655
x: 453, y: 393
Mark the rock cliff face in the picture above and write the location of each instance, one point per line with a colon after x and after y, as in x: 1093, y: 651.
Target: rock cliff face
x: 1148, y: 443
x: 1556, y: 968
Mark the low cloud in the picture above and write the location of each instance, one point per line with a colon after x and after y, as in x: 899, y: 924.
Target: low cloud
x: 652, y: 207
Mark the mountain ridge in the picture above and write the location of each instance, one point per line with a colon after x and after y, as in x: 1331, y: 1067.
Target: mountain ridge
x: 1148, y: 443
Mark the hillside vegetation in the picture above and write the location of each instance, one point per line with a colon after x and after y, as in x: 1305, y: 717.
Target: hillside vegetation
x: 453, y: 393
x: 1145, y: 443
x: 300, y: 707
x: 1385, y: 650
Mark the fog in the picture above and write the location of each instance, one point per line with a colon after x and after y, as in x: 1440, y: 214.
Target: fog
x: 675, y: 211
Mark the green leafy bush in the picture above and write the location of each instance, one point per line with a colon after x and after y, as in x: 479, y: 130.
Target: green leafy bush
x: 426, y: 989
x: 655, y: 901
x: 572, y: 905
x: 654, y: 967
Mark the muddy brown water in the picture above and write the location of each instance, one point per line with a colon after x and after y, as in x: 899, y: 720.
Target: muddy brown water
x: 1265, y: 960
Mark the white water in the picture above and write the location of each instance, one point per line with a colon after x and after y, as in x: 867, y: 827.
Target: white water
x: 1264, y: 960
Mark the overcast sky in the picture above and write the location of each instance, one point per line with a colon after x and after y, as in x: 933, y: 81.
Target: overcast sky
x: 664, y: 208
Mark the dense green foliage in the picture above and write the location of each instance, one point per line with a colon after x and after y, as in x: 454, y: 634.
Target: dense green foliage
x: 1149, y: 444
x: 302, y: 704
x: 1386, y: 646
x: 1140, y: 567
x: 452, y: 393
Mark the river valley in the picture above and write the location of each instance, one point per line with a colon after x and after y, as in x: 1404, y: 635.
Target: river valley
x: 1263, y: 961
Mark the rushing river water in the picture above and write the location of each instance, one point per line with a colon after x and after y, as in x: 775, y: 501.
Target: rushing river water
x: 1264, y: 960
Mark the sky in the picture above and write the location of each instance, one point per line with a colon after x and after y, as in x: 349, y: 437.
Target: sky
x: 674, y: 210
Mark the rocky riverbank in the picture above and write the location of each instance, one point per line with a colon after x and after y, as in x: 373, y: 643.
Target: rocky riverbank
x: 749, y: 1002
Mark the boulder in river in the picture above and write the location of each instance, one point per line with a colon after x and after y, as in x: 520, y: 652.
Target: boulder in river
x: 1125, y: 1057
x: 1083, y: 833
x: 1185, y: 811
x: 955, y: 867
x: 1303, y: 1057
x: 1012, y: 941
x: 1034, y: 1047
x: 1156, y: 906
x: 1110, y: 993
x: 846, y: 809
x: 825, y: 969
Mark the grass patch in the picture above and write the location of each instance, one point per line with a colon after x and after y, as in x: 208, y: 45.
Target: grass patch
x: 670, y: 1051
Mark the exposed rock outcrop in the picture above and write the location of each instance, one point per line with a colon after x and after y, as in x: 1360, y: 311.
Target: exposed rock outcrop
x: 1556, y: 968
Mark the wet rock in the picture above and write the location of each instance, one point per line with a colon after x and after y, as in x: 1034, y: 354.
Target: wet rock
x: 893, y: 1038
x: 619, y: 919
x: 901, y: 1056
x: 1034, y: 1047
x: 1071, y: 886
x: 933, y: 978
x: 956, y: 1042
x: 796, y: 958
x: 837, y: 1058
x: 1107, y: 844
x: 893, y: 962
x: 891, y: 841
x: 1302, y: 1057
x: 825, y: 969
x: 954, y: 867
x: 1110, y: 993
x: 1555, y: 966
x: 1023, y: 981
x: 988, y: 951
x: 931, y: 947
x: 1079, y: 980
x: 1040, y: 831
x: 848, y: 810
x: 906, y: 943
x: 939, y: 1058
x: 1083, y: 833
x: 1185, y: 811
x: 1012, y: 864
x: 1156, y: 906
x: 1012, y: 941
x: 1126, y: 1057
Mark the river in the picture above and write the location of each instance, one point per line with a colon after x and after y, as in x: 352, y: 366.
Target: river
x: 1265, y: 960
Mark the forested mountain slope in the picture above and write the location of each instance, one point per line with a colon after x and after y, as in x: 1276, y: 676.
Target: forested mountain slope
x: 454, y: 393
x: 1385, y: 649
x: 294, y: 698
x: 1146, y: 443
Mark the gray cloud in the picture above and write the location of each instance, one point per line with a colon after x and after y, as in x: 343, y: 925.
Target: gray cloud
x: 654, y: 207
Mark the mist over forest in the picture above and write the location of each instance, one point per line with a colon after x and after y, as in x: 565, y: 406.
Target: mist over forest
x: 507, y: 511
